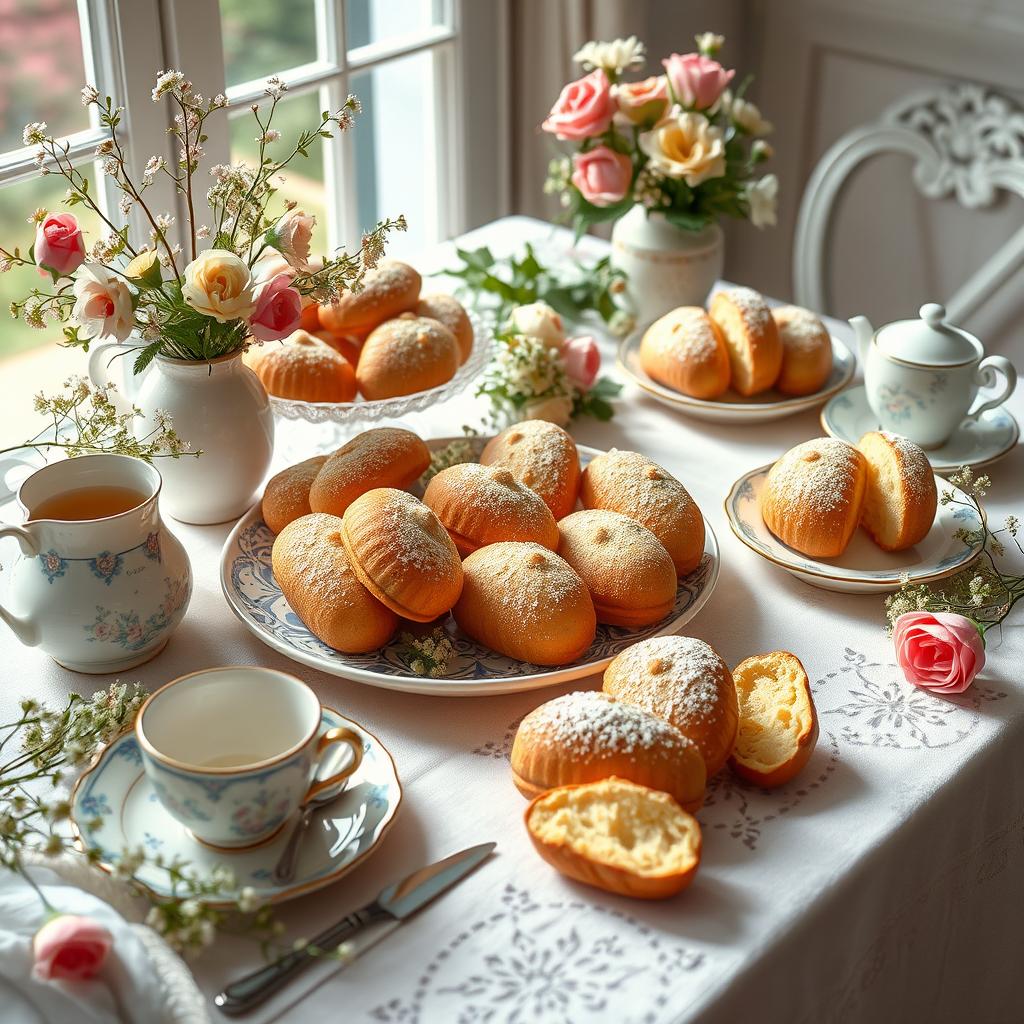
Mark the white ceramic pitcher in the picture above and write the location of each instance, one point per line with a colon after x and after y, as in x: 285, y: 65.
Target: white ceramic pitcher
x: 220, y: 407
x: 97, y: 595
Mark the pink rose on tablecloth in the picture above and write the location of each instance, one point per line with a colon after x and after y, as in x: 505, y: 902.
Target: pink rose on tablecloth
x: 582, y: 361
x: 278, y: 309
x: 602, y: 175
x: 71, y: 948
x: 59, y: 245
x: 696, y: 81
x: 583, y: 109
x: 938, y: 651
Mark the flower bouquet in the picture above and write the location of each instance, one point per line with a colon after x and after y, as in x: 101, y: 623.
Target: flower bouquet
x: 676, y: 151
x: 184, y: 311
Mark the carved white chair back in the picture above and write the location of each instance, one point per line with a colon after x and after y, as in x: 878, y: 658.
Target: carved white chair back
x: 965, y: 141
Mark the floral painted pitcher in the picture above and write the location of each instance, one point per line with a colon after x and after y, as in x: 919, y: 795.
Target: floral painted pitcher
x: 98, y: 595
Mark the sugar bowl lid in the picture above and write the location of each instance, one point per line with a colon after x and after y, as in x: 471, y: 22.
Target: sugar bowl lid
x: 928, y: 340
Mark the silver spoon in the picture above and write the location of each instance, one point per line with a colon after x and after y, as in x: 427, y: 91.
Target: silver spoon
x: 284, y: 871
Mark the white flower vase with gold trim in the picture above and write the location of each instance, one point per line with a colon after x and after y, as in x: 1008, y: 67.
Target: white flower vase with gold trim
x: 666, y: 266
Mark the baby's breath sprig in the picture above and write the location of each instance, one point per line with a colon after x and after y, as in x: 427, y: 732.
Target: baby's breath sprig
x: 982, y: 592
x: 428, y: 655
x: 85, y: 421
x: 455, y: 453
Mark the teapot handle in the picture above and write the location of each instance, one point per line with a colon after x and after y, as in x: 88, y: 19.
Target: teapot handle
x: 103, y: 371
x: 986, y: 376
x: 21, y: 625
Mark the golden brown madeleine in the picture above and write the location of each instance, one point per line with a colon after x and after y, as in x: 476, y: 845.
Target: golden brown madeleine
x: 402, y: 554
x: 544, y: 457
x: 406, y: 355
x: 446, y: 309
x: 382, y: 457
x: 347, y: 345
x: 314, y: 574
x: 806, y: 351
x: 778, y: 721
x: 813, y: 496
x: 305, y: 368
x: 390, y: 289
x: 524, y: 601
x: 750, y: 335
x: 684, y: 681
x: 587, y: 736
x: 901, y: 498
x: 482, y: 505
x: 627, y: 570
x: 617, y: 836
x: 685, y: 350
x: 632, y: 484
x: 286, y: 496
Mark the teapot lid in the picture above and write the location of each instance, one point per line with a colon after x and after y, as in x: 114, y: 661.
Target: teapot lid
x: 928, y: 340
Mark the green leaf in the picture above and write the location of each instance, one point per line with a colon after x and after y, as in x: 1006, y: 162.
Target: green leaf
x: 687, y: 221
x: 146, y: 356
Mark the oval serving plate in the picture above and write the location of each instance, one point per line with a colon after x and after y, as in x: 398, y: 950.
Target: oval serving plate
x: 254, y: 596
x: 863, y: 568
x: 731, y: 407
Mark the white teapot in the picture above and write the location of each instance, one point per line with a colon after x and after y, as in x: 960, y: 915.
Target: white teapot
x: 922, y: 376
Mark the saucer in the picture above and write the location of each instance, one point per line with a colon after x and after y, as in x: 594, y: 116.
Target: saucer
x: 848, y: 417
x: 863, y: 568
x: 114, y: 807
x: 732, y: 407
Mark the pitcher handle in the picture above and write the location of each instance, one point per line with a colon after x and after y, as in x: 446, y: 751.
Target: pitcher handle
x: 101, y: 358
x: 986, y: 376
x: 21, y: 625
x: 12, y: 460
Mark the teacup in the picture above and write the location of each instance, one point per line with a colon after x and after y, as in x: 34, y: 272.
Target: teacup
x: 233, y: 752
x: 101, y: 583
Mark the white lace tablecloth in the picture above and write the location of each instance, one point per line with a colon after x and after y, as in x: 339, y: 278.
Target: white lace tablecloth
x: 884, y: 884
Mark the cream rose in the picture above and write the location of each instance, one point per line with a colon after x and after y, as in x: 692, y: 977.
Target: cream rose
x: 104, y: 305
x: 762, y: 200
x: 292, y: 236
x: 686, y: 145
x: 748, y: 116
x: 218, y: 284
x: 145, y: 267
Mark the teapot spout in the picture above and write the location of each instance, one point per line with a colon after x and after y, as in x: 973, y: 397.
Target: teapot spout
x: 863, y: 332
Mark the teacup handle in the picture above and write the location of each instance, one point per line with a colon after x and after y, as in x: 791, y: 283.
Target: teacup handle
x: 986, y: 376
x: 22, y: 626
x: 340, y: 734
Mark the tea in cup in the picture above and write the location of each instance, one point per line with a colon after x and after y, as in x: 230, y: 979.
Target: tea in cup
x: 233, y: 752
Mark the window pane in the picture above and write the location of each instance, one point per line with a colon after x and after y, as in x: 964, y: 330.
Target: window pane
x: 304, y: 176
x: 263, y: 37
x: 375, y: 21
x: 396, y: 149
x: 17, y: 202
x: 42, y: 69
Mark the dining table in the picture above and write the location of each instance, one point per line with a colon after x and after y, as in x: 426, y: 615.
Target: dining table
x: 883, y: 883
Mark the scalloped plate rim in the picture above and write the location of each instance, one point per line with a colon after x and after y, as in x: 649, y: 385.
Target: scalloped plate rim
x: 451, y: 687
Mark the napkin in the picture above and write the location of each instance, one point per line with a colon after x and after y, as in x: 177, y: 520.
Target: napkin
x: 141, y: 982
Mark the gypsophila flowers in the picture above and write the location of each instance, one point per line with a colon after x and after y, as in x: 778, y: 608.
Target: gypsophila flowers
x: 428, y: 655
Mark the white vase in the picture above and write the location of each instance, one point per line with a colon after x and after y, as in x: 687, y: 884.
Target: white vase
x: 665, y: 265
x: 219, y: 407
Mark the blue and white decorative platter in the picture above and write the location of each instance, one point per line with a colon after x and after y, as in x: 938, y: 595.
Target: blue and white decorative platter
x: 731, y: 407
x: 114, y: 808
x: 254, y: 596
x: 863, y: 568
x: 979, y: 443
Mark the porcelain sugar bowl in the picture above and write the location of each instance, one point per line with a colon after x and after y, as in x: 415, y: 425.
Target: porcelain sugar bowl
x: 922, y: 376
x: 98, y: 589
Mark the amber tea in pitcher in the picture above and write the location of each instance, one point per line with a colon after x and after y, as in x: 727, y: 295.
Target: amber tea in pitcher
x: 82, y: 503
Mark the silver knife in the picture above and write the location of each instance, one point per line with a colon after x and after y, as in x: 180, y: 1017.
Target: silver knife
x: 396, y: 902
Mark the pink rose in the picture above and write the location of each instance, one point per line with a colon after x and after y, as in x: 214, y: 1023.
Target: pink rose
x: 602, y: 175
x: 582, y: 361
x: 59, y: 245
x: 939, y: 651
x: 642, y: 102
x: 583, y: 108
x: 696, y: 81
x: 292, y: 235
x: 278, y: 309
x: 70, y: 948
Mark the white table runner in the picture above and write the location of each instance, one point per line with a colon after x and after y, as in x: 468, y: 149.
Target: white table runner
x: 884, y: 883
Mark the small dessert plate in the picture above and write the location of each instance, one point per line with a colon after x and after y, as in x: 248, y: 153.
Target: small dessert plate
x: 863, y: 568
x: 848, y: 417
x: 114, y: 807
x: 731, y: 407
